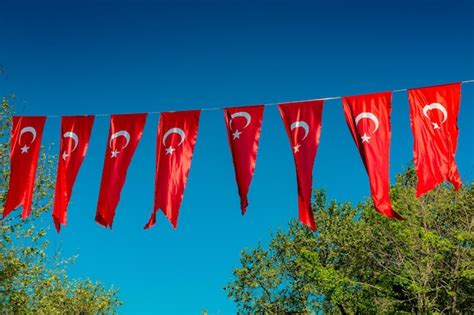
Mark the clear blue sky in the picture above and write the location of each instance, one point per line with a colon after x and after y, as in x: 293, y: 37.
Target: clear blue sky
x: 66, y: 57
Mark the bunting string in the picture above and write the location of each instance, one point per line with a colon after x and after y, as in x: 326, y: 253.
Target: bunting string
x: 434, y: 113
x: 330, y: 98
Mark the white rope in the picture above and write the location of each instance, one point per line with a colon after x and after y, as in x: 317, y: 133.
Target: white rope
x: 265, y: 104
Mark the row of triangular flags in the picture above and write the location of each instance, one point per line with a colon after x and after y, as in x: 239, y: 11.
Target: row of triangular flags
x: 433, y: 114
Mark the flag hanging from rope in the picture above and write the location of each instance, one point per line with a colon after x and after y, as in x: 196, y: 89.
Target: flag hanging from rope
x: 124, y: 135
x: 25, y: 144
x: 302, y: 121
x: 434, y: 116
x: 177, y: 133
x: 368, y: 118
x: 75, y: 134
x: 243, y: 126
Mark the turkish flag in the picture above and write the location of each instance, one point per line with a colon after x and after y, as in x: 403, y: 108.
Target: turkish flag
x: 434, y: 116
x: 25, y: 144
x: 368, y: 118
x: 124, y: 134
x: 302, y: 121
x: 177, y: 133
x: 243, y: 131
x: 75, y: 134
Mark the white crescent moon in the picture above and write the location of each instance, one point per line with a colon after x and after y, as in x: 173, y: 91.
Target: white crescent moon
x: 370, y: 116
x: 437, y: 106
x: 74, y: 137
x: 121, y: 133
x: 25, y: 130
x: 301, y: 124
x: 178, y: 131
x: 246, y: 115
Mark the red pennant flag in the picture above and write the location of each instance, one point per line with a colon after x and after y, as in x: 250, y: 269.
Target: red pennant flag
x: 75, y: 134
x: 177, y: 133
x: 124, y: 134
x: 24, y: 150
x: 302, y: 121
x: 368, y: 118
x: 434, y: 115
x: 243, y: 131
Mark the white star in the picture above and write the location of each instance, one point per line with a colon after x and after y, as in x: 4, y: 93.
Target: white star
x: 114, y: 153
x: 436, y: 126
x: 236, y: 134
x: 296, y: 148
x: 65, y: 155
x: 170, y: 150
x: 365, y: 138
x: 24, y: 149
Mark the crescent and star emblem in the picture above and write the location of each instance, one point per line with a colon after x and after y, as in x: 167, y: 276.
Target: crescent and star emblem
x: 367, y: 115
x: 439, y: 107
x: 299, y: 124
x: 248, y: 119
x: 121, y: 133
x: 178, y: 131
x: 25, y: 148
x: 74, y: 137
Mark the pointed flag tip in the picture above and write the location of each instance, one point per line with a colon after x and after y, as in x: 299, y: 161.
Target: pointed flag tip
x: 102, y: 222
x: 148, y: 225
x: 173, y: 221
x: 174, y: 224
x: 244, y: 203
x: 243, y: 207
x: 151, y: 221
x: 57, y: 225
x: 397, y: 216
x: 392, y: 214
x: 310, y: 225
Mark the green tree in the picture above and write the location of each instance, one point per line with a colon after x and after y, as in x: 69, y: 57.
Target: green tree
x: 30, y: 281
x: 361, y: 262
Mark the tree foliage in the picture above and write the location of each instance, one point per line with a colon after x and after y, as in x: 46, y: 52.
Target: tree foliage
x: 362, y: 262
x: 30, y: 281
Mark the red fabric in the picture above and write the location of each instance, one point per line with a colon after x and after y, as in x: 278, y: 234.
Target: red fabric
x: 368, y: 118
x: 177, y: 133
x: 75, y: 134
x: 243, y: 131
x: 124, y: 134
x: 24, y: 150
x: 434, y: 115
x: 302, y: 121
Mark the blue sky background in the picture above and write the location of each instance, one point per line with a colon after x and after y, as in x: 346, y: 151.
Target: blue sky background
x: 76, y: 57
